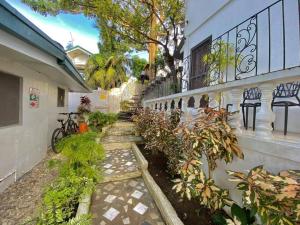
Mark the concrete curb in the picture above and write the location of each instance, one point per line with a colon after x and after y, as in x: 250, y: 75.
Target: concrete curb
x: 84, y: 205
x: 166, y: 209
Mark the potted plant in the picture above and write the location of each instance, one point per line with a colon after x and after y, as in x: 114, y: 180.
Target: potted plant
x: 84, y: 109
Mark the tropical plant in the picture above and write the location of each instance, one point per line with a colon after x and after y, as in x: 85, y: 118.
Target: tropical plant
x: 137, y: 65
x: 240, y: 216
x: 97, y: 120
x: 212, y: 137
x: 85, y: 105
x: 106, y: 71
x: 78, y: 174
x: 193, y: 183
x: 220, y: 58
x: 81, y: 152
x: 138, y: 23
x: 61, y: 198
x: 157, y: 130
x: 276, y: 198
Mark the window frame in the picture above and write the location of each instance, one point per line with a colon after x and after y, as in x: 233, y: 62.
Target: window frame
x: 20, y: 101
x: 59, y: 104
x: 192, y: 75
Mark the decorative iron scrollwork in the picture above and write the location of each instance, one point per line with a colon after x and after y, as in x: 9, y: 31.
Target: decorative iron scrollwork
x: 246, y: 48
x: 214, y: 70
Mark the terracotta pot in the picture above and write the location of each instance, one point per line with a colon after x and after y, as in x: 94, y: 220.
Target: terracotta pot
x: 83, y: 127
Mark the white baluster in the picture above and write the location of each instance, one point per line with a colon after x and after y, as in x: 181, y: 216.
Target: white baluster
x: 235, y: 99
x: 213, y: 103
x: 265, y: 116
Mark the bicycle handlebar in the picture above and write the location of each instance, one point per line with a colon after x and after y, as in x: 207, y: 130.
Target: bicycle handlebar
x: 71, y: 113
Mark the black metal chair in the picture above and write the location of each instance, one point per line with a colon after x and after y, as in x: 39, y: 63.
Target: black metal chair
x: 287, y: 91
x: 251, y: 99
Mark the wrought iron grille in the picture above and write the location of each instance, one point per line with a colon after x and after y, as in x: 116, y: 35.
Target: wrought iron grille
x: 244, y: 47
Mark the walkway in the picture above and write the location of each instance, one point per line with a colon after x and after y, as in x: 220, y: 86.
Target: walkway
x: 122, y: 198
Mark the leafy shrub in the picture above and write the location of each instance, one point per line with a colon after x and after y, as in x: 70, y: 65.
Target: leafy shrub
x: 61, y: 198
x: 82, y: 153
x: 125, y: 105
x: 276, y: 198
x: 85, y: 105
x: 78, y: 174
x: 211, y: 137
x: 193, y: 183
x: 157, y: 130
x: 97, y: 120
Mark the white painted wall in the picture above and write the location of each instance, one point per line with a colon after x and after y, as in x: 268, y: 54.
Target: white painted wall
x: 24, y: 145
x: 113, y: 97
x: 80, y: 59
x: 215, y: 17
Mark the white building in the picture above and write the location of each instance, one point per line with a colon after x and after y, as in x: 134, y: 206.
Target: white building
x: 263, y: 38
x: 35, y: 78
x: 79, y: 57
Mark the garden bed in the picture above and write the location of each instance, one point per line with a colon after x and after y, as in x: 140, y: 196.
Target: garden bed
x: 189, y: 211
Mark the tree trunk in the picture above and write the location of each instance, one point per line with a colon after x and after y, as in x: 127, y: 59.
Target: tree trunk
x: 170, y: 61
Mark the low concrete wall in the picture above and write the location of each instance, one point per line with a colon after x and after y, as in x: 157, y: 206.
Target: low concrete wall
x: 274, y: 155
x: 107, y: 101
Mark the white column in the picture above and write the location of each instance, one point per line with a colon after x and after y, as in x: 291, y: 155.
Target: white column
x: 235, y: 99
x: 213, y: 103
x: 265, y: 116
x: 197, y: 101
x: 169, y: 107
x: 184, y: 108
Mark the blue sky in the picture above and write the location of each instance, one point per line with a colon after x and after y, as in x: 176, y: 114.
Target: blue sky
x: 61, y: 27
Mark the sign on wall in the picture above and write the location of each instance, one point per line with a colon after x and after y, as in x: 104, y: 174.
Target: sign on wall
x: 34, y: 97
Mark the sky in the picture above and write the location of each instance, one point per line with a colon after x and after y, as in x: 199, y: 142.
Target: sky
x: 61, y: 27
x: 65, y: 27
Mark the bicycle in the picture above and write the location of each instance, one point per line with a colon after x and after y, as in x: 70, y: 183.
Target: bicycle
x: 67, y: 128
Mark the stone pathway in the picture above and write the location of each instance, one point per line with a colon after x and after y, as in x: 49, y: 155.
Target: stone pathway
x: 122, y: 198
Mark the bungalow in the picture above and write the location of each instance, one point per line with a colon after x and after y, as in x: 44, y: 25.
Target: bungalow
x: 35, y: 78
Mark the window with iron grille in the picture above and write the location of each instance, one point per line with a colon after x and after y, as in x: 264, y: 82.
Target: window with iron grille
x: 60, y: 97
x: 199, y: 68
x: 10, y: 92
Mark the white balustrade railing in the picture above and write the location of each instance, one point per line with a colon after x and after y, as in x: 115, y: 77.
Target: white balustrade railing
x: 232, y: 94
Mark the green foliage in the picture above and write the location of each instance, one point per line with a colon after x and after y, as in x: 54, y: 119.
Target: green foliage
x: 276, y: 198
x: 157, y: 130
x: 81, y: 152
x: 221, y: 57
x: 78, y: 174
x: 137, y: 65
x: 106, y: 71
x: 97, y: 120
x: 240, y: 216
x: 128, y: 24
x: 193, y: 183
x: 81, y: 220
x: 125, y: 105
x: 61, y: 198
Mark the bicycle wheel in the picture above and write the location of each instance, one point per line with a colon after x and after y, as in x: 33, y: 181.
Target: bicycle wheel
x: 56, y: 136
x: 72, y: 127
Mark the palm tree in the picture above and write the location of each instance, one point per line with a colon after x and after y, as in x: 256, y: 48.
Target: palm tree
x: 106, y: 72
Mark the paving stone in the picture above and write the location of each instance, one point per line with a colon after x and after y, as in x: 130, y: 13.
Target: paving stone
x: 124, y: 198
x: 130, y: 203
